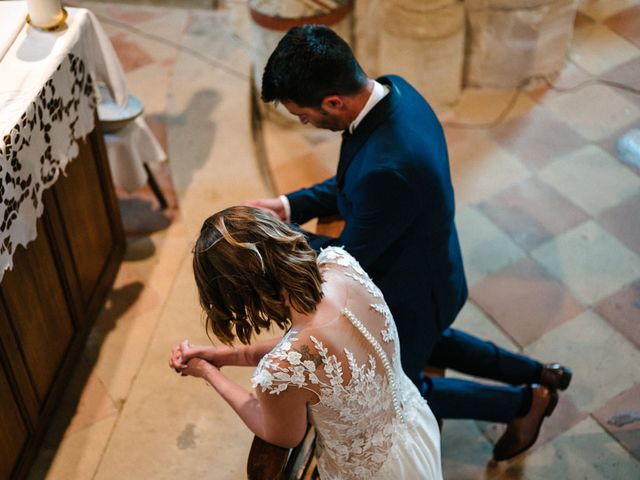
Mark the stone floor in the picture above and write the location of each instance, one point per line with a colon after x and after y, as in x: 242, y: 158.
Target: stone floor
x: 547, y: 215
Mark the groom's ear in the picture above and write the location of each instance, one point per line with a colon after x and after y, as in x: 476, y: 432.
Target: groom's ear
x: 333, y: 103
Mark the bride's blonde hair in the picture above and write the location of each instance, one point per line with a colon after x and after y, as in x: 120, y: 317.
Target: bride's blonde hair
x: 245, y: 261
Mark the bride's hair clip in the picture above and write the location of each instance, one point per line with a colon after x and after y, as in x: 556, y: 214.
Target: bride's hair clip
x: 194, y: 250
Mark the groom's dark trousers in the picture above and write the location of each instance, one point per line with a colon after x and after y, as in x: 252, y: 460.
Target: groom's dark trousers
x: 456, y: 398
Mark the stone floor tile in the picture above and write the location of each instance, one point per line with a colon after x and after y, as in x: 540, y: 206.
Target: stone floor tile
x: 153, y: 95
x: 622, y: 310
x: 182, y: 423
x: 85, y: 401
x: 570, y: 77
x: 154, y: 44
x: 582, y: 19
x: 169, y: 27
x: 164, y: 4
x: 131, y: 56
x: 465, y: 451
x: 485, y: 248
x: 585, y: 345
x: 326, y: 149
x: 621, y: 418
x: 472, y: 319
x: 597, y: 49
x: 77, y: 456
x: 626, y: 24
x: 537, y: 138
x: 481, y: 168
x: 158, y: 125
x: 623, y: 222
x: 626, y: 75
x: 212, y: 37
x: 580, y: 174
x: 298, y: 172
x: 132, y: 15
x: 564, y: 417
x: 591, y: 262
x: 525, y: 300
x: 483, y: 106
x: 584, y: 452
x: 600, y: 10
x: 532, y: 213
x: 594, y: 111
x: 121, y: 354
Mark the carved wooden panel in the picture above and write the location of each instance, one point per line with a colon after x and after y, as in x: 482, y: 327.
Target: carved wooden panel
x: 38, y: 311
x: 86, y: 221
x: 14, y: 432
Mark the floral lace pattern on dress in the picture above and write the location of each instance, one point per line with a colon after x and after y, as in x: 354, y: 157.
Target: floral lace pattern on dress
x: 354, y: 436
x: 356, y: 421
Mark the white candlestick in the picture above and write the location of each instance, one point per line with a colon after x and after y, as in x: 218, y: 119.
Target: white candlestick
x: 44, y: 13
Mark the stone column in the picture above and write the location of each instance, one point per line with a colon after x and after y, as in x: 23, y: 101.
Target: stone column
x: 423, y: 41
x: 366, y: 34
x: 509, y: 41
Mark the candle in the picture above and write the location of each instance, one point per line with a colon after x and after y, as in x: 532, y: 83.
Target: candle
x: 44, y: 13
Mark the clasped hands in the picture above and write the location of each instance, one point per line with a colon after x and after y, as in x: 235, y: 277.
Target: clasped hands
x: 193, y: 360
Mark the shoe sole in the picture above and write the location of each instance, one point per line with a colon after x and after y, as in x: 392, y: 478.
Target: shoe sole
x: 553, y: 403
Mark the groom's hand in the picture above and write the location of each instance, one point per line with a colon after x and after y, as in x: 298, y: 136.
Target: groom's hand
x: 271, y: 205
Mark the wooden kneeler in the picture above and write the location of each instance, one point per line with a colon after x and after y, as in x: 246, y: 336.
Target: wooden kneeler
x: 270, y: 462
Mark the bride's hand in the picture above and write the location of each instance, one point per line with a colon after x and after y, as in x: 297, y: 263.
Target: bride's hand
x: 197, y: 367
x: 176, y: 361
x: 185, y: 359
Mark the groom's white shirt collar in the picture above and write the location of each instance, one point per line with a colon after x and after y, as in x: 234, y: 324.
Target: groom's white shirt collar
x: 378, y: 93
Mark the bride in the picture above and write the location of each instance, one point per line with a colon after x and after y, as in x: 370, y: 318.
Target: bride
x: 338, y: 364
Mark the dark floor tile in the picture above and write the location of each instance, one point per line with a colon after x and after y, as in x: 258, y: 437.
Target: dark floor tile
x: 622, y: 310
x: 625, y: 80
x: 626, y: 24
x: 537, y: 138
x: 532, y: 213
x: 581, y: 20
x: 525, y: 301
x: 621, y: 418
x: 130, y: 54
x: 623, y: 221
x: 158, y: 126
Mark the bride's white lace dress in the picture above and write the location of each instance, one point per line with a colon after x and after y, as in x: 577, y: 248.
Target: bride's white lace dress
x: 370, y: 419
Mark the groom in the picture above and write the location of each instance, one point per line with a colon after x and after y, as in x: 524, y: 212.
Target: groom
x: 393, y: 189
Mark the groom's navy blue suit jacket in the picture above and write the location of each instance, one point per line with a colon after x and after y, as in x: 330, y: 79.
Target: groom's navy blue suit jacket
x: 393, y: 189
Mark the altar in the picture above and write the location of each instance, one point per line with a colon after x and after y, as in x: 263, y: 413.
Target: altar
x: 61, y: 236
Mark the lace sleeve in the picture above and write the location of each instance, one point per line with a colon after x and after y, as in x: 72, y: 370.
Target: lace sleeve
x: 339, y: 256
x: 286, y: 366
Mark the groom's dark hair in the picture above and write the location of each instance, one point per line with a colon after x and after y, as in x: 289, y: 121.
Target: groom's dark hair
x: 310, y: 63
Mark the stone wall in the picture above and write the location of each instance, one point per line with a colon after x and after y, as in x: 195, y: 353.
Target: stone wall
x: 440, y: 46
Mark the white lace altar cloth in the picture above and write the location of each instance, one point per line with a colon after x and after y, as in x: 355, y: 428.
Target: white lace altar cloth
x: 47, y: 103
x: 371, y: 421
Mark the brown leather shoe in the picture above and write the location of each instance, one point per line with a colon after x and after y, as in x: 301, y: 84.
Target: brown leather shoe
x: 522, y: 432
x: 555, y: 377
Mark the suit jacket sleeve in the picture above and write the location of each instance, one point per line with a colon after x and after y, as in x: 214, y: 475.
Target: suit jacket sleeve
x: 319, y: 200
x: 383, y: 207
